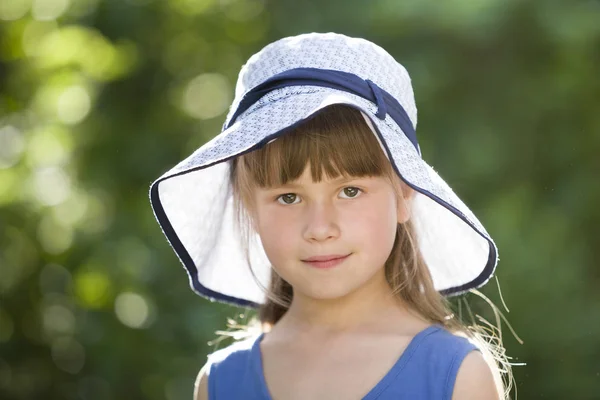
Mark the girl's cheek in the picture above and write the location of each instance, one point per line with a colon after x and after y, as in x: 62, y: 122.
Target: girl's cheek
x: 274, y: 222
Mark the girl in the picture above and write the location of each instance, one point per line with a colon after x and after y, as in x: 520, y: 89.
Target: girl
x: 315, y: 207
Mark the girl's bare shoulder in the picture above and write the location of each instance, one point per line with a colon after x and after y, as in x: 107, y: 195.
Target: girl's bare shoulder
x: 201, y: 385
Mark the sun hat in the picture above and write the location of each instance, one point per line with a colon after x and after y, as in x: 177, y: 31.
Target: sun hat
x: 279, y: 88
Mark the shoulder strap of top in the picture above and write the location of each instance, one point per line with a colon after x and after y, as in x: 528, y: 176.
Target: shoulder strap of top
x: 446, y: 352
x: 432, y: 369
x: 461, y: 348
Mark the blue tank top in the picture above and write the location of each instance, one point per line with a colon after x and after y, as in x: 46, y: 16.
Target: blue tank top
x: 426, y: 369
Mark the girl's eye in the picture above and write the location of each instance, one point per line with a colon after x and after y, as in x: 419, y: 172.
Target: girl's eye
x: 290, y: 198
x: 287, y: 198
x: 351, y: 191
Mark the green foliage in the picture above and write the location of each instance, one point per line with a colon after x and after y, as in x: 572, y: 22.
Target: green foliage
x: 98, y: 98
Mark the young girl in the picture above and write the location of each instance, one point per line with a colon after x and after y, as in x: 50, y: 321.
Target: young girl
x: 315, y: 207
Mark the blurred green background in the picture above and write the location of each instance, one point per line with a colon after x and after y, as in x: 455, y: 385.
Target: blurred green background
x: 100, y: 97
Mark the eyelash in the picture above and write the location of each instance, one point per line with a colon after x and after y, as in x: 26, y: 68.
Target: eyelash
x: 347, y: 187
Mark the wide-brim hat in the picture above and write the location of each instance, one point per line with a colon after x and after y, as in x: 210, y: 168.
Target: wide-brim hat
x: 279, y: 88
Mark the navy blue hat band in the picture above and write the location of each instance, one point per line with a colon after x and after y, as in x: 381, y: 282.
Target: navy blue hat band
x: 367, y: 89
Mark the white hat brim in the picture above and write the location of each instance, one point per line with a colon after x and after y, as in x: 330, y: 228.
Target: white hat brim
x: 194, y: 206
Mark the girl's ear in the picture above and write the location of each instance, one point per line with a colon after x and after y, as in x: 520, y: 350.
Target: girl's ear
x: 406, y: 195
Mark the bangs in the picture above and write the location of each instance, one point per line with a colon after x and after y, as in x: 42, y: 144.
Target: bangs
x: 336, y: 142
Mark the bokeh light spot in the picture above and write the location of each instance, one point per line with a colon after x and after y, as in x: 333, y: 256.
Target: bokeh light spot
x: 46, y: 10
x: 11, y: 10
x: 11, y: 185
x: 51, y: 185
x: 48, y: 146
x: 73, y: 105
x: 72, y: 211
x: 58, y: 320
x: 99, y: 214
x: 34, y: 34
x: 132, y: 310
x: 89, y: 49
x: 54, y: 237
x: 11, y: 146
x: 207, y: 96
x: 92, y: 289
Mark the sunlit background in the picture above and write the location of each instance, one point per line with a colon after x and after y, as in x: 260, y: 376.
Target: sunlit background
x: 100, y: 97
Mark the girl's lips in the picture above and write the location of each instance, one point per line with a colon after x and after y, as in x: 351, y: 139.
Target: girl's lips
x: 328, y: 261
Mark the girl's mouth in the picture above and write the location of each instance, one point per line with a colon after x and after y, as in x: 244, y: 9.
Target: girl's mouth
x: 325, y: 261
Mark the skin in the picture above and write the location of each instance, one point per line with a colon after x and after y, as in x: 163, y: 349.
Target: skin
x: 348, y: 307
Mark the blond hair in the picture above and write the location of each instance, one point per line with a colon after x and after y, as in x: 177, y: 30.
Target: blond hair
x: 336, y: 141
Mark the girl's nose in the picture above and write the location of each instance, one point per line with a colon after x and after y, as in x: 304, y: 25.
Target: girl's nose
x: 321, y: 222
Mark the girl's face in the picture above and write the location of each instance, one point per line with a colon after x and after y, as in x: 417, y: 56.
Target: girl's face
x: 356, y: 217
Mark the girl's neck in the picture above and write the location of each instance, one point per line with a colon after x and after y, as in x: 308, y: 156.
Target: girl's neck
x: 371, y: 308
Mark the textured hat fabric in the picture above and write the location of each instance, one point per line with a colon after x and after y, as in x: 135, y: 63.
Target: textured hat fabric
x: 280, y: 87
